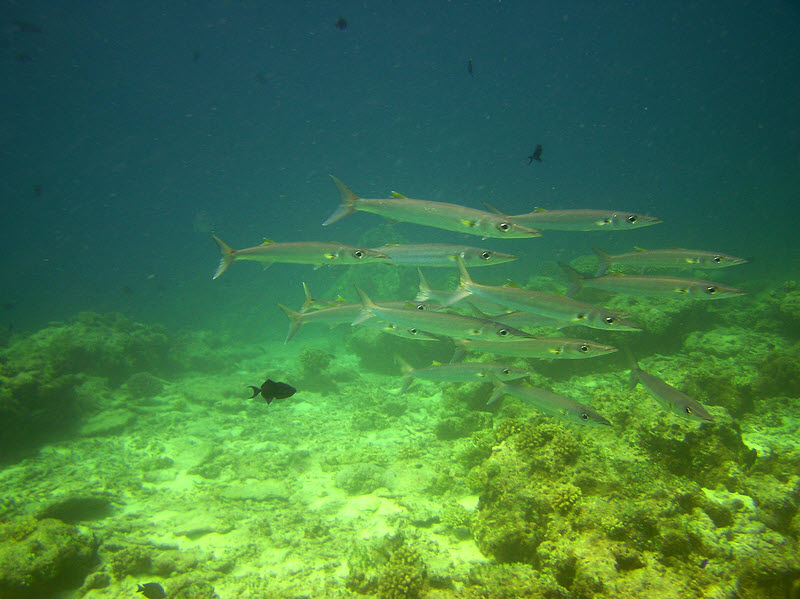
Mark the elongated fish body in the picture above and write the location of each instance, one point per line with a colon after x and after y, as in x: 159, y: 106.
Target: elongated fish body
x: 670, y: 258
x: 428, y: 294
x: 579, y: 220
x: 556, y: 307
x: 543, y: 348
x: 298, y: 252
x: 440, y: 215
x: 439, y: 323
x: 441, y: 255
x: 555, y: 404
x: 525, y: 320
x: 668, y: 396
x: 346, y: 313
x: 650, y: 285
x: 461, y: 372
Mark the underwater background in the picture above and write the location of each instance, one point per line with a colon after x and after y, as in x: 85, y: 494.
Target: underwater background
x: 130, y: 450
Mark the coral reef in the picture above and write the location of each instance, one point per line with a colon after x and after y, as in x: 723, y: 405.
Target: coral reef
x: 41, y: 557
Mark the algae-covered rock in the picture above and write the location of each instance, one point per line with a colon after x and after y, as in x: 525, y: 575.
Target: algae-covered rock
x: 711, y: 455
x: 104, y: 345
x: 36, y: 407
x: 779, y: 373
x: 42, y: 557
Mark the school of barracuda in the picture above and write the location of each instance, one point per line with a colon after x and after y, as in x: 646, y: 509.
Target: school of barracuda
x: 497, y: 315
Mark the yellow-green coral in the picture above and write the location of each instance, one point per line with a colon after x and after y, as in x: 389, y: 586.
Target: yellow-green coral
x: 403, y: 576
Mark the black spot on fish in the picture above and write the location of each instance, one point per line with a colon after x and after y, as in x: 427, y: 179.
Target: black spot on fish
x: 151, y: 590
x: 704, y: 563
x: 270, y: 390
x: 537, y: 154
x: 340, y: 24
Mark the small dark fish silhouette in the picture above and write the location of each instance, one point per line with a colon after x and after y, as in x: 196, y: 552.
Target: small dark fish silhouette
x: 341, y: 24
x: 469, y: 67
x: 38, y: 190
x: 151, y: 590
x: 26, y: 27
x: 271, y: 390
x: 195, y: 56
x: 537, y: 154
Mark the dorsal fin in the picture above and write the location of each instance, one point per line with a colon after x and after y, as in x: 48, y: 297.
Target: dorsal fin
x: 397, y: 194
x: 491, y: 208
x: 267, y: 241
x: 537, y: 209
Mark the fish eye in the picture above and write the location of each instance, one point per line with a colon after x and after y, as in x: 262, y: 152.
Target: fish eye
x: 609, y: 320
x: 711, y: 290
x: 581, y: 316
x: 506, y: 371
x: 358, y: 254
x: 503, y: 226
x: 717, y: 259
x: 486, y: 255
x: 632, y: 218
x: 583, y: 348
x: 584, y: 416
x: 421, y: 307
x: 687, y: 410
x: 502, y: 332
x: 413, y: 331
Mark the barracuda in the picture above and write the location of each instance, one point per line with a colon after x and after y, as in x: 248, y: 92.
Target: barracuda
x: 556, y: 307
x: 298, y: 252
x: 668, y: 396
x: 578, y: 220
x: 441, y: 255
x: 439, y: 323
x: 670, y: 258
x: 440, y: 215
x: 546, y: 348
x: 462, y: 372
x: 650, y: 285
x: 555, y: 404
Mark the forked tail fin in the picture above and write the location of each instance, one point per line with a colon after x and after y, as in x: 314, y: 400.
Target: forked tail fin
x: 575, y: 279
x: 605, y: 261
x: 226, y: 256
x: 347, y: 206
x: 294, y: 321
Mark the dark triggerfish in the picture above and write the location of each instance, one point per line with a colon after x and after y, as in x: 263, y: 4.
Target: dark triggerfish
x: 271, y: 390
x: 151, y: 590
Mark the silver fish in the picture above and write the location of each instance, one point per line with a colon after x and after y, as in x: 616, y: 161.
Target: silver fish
x: 670, y: 258
x: 545, y: 348
x: 439, y: 323
x: 668, y: 396
x: 578, y: 220
x: 345, y: 313
x: 556, y: 404
x: 298, y: 252
x: 427, y: 293
x: 461, y: 372
x: 441, y: 255
x: 556, y: 307
x: 440, y: 215
x: 650, y: 285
